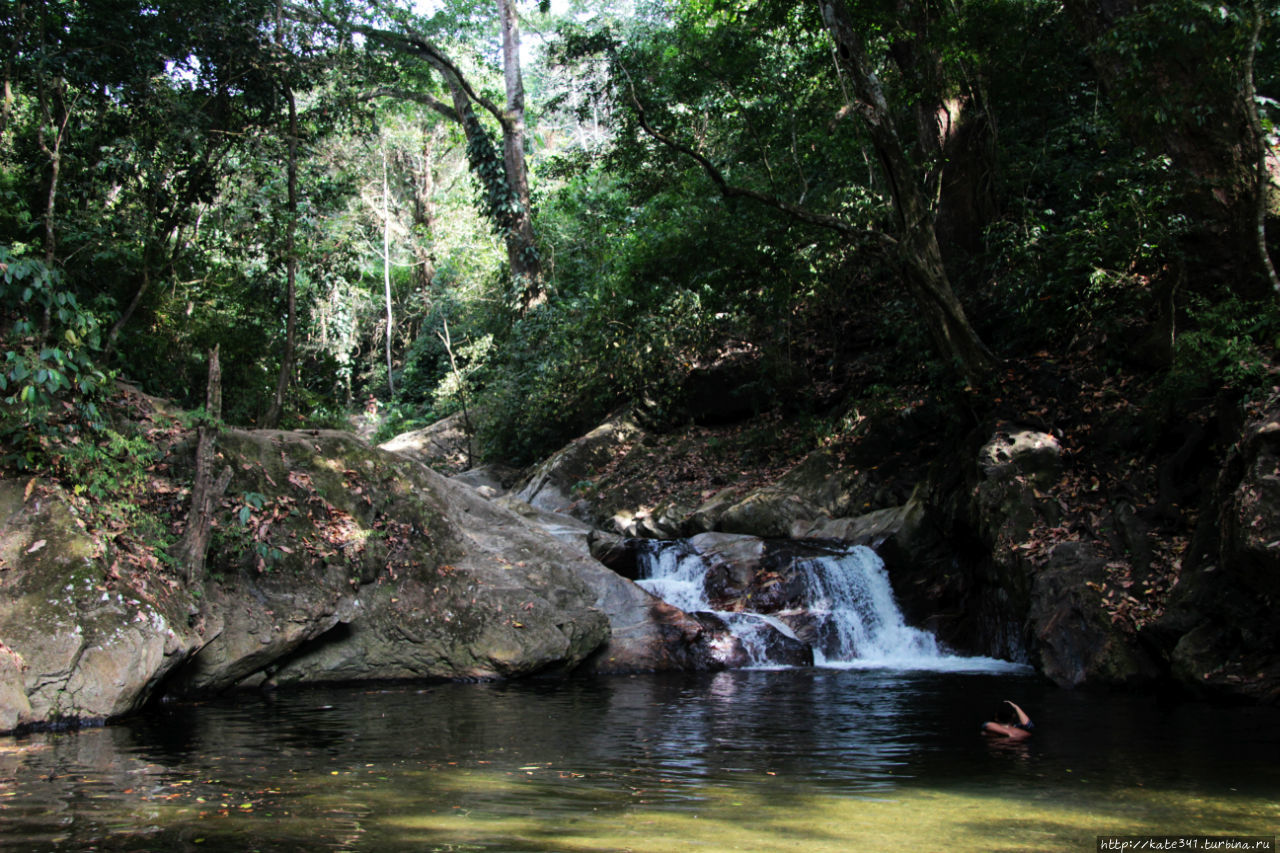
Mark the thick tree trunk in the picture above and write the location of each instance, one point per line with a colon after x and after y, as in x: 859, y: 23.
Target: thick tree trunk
x: 1260, y: 138
x: 919, y: 255
x: 386, y: 270
x: 522, y: 252
x: 1182, y: 99
x: 6, y: 102
x: 424, y: 210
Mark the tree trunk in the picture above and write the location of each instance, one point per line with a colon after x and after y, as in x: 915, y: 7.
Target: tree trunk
x: 424, y: 211
x: 206, y: 490
x: 56, y: 114
x: 6, y: 106
x: 1260, y: 138
x: 272, y: 418
x: 918, y: 254
x: 522, y: 252
x: 1175, y: 95
x: 386, y: 267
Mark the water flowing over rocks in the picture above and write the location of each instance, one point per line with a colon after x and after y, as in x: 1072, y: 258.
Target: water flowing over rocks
x: 336, y: 561
x: 989, y: 551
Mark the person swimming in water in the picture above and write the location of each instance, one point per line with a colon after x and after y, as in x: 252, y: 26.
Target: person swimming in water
x: 1010, y: 723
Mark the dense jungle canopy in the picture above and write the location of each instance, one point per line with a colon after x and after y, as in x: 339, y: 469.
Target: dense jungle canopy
x: 547, y: 212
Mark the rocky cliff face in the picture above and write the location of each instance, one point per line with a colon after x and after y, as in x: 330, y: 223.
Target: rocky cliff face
x: 331, y: 561
x: 1220, y: 631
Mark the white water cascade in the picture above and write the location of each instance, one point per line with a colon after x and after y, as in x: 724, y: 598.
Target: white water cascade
x: 848, y: 616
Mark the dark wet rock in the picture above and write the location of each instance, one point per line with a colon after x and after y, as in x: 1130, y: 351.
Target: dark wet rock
x: 1077, y: 642
x: 1220, y: 630
x: 619, y: 553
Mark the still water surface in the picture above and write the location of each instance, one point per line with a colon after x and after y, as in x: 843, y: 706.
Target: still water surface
x: 803, y: 760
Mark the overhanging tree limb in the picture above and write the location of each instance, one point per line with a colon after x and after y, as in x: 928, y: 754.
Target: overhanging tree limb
x: 915, y: 250
x: 425, y: 99
x: 416, y: 45
x: 507, y: 200
x: 728, y: 190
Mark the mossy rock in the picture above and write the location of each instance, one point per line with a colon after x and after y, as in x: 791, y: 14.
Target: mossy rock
x: 87, y: 642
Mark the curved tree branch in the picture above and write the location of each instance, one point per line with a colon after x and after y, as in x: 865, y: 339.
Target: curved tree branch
x: 410, y: 43
x: 728, y: 190
x: 427, y: 100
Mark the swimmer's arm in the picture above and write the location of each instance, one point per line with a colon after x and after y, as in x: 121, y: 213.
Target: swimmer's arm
x: 1023, y: 719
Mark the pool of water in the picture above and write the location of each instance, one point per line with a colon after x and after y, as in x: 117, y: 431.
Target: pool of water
x: 805, y: 760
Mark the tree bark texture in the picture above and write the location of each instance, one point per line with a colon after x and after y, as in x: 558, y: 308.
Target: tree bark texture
x: 522, y: 251
x: 272, y: 419
x: 918, y: 253
x: 206, y: 490
x: 1174, y: 102
x: 386, y: 272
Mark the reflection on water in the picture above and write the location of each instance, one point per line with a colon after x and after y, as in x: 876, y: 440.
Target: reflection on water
x: 745, y: 760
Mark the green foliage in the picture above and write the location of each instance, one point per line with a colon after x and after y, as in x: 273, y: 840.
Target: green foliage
x: 499, y: 203
x: 110, y: 469
x: 50, y: 382
x: 50, y: 419
x: 1082, y: 252
x: 1229, y: 344
x: 245, y: 537
x: 173, y: 206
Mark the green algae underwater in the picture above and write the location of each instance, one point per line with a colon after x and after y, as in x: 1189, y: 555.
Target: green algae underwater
x: 756, y: 760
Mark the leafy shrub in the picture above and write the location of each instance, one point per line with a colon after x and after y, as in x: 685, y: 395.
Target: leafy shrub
x: 1225, y: 348
x: 50, y: 382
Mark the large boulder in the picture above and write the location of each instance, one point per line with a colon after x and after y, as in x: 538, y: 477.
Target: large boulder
x: 1076, y: 640
x: 816, y: 490
x: 1038, y: 571
x: 446, y: 445
x: 330, y: 561
x: 80, y: 640
x: 554, y: 484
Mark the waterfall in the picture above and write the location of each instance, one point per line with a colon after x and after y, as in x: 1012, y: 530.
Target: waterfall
x: 848, y: 615
x: 858, y: 617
